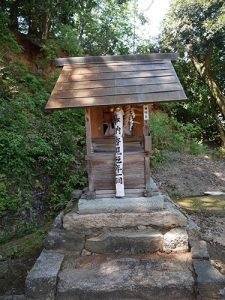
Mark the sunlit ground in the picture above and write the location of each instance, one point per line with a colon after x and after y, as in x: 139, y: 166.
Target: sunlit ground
x: 215, y: 204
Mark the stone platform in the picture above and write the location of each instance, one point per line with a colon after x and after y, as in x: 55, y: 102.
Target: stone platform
x: 103, y: 250
x: 122, y: 205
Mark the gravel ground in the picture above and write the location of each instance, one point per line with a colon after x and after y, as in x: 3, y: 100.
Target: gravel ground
x: 184, y: 175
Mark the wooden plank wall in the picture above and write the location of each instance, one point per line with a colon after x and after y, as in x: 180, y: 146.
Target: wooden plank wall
x: 103, y: 171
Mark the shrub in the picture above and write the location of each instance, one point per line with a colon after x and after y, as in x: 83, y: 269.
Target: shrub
x: 169, y: 134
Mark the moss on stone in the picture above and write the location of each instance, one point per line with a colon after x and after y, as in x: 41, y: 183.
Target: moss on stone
x: 25, y: 246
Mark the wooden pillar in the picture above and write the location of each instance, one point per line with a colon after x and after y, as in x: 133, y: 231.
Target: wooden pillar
x: 88, y: 131
x: 89, y: 151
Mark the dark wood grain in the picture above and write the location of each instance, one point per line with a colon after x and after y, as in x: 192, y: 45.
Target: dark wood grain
x: 120, y: 68
x: 114, y: 58
x: 103, y: 170
x: 115, y: 75
x: 111, y: 91
x: 115, y: 83
x: 113, y: 100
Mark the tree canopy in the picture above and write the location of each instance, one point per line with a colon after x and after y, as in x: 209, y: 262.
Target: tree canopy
x: 196, y: 28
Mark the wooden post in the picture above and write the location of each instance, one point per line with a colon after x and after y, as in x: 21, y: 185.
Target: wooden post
x: 88, y: 131
x: 118, y: 127
x: 91, y: 194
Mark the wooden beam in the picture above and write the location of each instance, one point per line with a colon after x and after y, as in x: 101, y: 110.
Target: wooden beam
x: 114, y: 58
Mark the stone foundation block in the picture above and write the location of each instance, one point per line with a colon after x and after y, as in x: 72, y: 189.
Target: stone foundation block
x: 64, y: 240
x: 210, y: 282
x: 126, y: 242
x: 42, y: 279
x: 122, y: 205
x: 199, y: 250
x: 175, y: 240
x: 167, y: 218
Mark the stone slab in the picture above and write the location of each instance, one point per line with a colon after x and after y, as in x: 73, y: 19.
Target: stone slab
x: 175, y: 240
x: 210, y: 282
x: 164, y: 219
x: 42, y: 279
x: 120, y: 205
x: 126, y: 279
x: 126, y: 242
x: 199, y: 250
x: 153, y: 185
x: 64, y: 240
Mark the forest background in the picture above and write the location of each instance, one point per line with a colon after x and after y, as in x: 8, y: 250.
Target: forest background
x: 42, y: 153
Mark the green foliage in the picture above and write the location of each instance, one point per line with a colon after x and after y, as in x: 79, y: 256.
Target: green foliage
x: 41, y: 153
x: 24, y: 246
x: 196, y: 28
x: 169, y: 134
x: 8, y: 43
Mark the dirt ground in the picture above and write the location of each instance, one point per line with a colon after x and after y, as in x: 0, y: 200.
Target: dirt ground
x: 183, y: 175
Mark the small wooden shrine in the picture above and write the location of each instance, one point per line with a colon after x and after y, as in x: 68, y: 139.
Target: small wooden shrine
x: 116, y: 93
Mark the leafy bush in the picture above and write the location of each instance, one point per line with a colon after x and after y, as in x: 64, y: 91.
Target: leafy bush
x: 41, y: 153
x: 169, y: 134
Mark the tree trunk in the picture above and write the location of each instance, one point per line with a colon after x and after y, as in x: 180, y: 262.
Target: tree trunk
x: 45, y: 26
x: 222, y: 132
x: 203, y: 71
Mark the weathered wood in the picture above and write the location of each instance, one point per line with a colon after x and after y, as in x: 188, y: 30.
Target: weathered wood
x: 103, y: 170
x: 89, y: 148
x: 96, y: 114
x: 128, y: 193
x: 114, y: 58
x: 110, y: 140
x: 147, y: 143
x: 115, y: 83
x: 90, y: 176
x: 125, y: 90
x: 88, y: 130
x: 107, y: 76
x: 121, y: 68
x: 147, y: 174
x: 115, y: 63
x: 146, y: 121
x: 112, y: 100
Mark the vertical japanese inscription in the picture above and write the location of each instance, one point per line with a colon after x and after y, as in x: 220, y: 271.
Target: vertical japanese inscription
x: 118, y: 127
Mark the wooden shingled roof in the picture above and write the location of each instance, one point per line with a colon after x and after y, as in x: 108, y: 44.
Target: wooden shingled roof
x: 115, y: 80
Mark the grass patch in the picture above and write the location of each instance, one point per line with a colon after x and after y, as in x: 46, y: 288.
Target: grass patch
x: 213, y: 204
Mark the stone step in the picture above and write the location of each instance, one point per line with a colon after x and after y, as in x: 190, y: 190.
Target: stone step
x: 86, y: 223
x: 101, y: 277
x: 126, y: 242
x: 120, y: 205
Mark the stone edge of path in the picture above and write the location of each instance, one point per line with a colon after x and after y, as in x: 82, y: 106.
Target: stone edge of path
x: 41, y: 281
